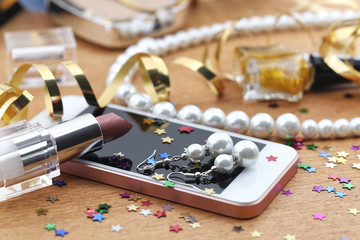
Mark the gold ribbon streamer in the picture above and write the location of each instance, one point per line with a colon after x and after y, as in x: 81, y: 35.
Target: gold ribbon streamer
x: 341, y: 39
x: 215, y: 84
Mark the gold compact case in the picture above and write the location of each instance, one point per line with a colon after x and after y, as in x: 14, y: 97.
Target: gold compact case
x: 119, y: 23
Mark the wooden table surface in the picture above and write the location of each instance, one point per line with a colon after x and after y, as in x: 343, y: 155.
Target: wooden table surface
x: 285, y: 215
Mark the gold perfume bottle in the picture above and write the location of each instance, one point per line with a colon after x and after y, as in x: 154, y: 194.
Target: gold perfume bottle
x: 273, y: 72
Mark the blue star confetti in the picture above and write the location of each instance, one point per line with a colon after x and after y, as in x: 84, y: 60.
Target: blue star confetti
x: 59, y: 183
x: 311, y: 169
x: 151, y: 160
x: 164, y: 155
x: 60, y: 232
x: 340, y: 194
x: 98, y: 217
x: 329, y: 189
x: 324, y: 154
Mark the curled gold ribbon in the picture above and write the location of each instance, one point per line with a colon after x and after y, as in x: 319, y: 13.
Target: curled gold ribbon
x: 341, y: 39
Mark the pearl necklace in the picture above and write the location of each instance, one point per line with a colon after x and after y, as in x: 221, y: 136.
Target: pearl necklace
x: 261, y: 124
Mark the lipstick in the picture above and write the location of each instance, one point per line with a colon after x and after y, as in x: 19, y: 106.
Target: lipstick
x: 30, y: 154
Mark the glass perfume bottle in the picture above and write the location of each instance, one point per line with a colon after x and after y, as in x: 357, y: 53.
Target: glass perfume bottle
x: 273, y: 72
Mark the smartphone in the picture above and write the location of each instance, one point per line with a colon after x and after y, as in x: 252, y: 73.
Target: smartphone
x: 244, y: 193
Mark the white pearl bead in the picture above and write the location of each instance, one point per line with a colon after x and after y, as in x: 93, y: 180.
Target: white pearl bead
x: 124, y: 91
x: 246, y: 153
x: 224, y: 163
x: 139, y: 101
x: 213, y: 117
x: 326, y: 128
x: 355, y: 126
x: 164, y: 108
x: 195, y: 152
x: 309, y: 128
x: 342, y: 127
x: 287, y: 124
x: 219, y: 143
x: 261, y: 125
x: 237, y: 121
x: 189, y: 113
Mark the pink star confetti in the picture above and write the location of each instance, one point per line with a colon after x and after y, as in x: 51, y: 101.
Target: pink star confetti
x: 175, y: 228
x: 286, y: 192
x: 318, y: 216
x: 271, y: 158
x: 333, y: 176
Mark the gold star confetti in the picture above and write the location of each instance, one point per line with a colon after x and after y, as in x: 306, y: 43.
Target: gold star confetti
x: 134, y: 197
x: 356, y: 165
x: 256, y: 233
x: 148, y: 121
x: 341, y: 160
x: 158, y: 177
x: 185, y: 215
x: 160, y: 131
x: 132, y: 207
x: 197, y: 165
x: 195, y: 225
x: 52, y: 198
x: 290, y: 237
x: 332, y: 159
x: 327, y: 148
x: 167, y: 139
x: 342, y: 154
x: 209, y: 191
x: 353, y: 211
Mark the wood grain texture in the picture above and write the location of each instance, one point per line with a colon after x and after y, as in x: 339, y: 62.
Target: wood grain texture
x: 285, y: 215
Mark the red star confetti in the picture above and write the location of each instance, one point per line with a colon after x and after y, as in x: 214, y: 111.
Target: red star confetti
x: 90, y: 212
x: 146, y: 203
x: 286, y: 192
x: 175, y: 228
x: 184, y: 129
x: 333, y: 176
x: 318, y: 216
x: 271, y: 158
x: 160, y: 214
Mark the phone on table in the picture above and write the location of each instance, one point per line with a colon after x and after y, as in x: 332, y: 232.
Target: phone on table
x: 244, y: 193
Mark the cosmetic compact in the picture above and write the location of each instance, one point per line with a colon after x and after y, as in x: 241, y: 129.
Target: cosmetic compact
x: 119, y: 23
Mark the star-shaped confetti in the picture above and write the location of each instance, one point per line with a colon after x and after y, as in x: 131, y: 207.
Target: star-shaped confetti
x: 104, y: 206
x: 168, y: 207
x: 286, y: 192
x: 175, y: 228
x: 329, y: 189
x: 160, y: 214
x: 59, y: 183
x: 98, y: 217
x: 271, y: 158
x: 256, y: 233
x: 332, y: 159
x: 356, y: 165
x: 146, y: 203
x: 303, y: 110
x: 90, y: 212
x: 311, y: 146
x: 318, y: 188
x: 184, y: 215
x: 134, y: 197
x: 102, y: 211
x: 197, y: 165
x: 124, y: 165
x: 195, y: 225
x: 60, y: 232
x: 150, y: 160
x: 145, y: 212
x: 330, y: 165
x: 119, y: 155
x: 164, y: 155
x: 311, y: 169
x: 348, y: 186
x: 342, y: 154
x: 191, y: 219
x: 185, y: 129
x: 340, y: 194
x: 318, y: 216
x: 324, y: 154
x: 237, y: 229
x: 344, y: 180
x: 353, y: 211
x: 160, y: 131
x: 158, y: 177
x: 209, y: 191
x: 52, y: 198
x: 132, y: 207
x: 290, y: 237
x: 116, y: 228
x: 333, y: 176
x: 341, y: 160
x: 355, y: 147
x: 167, y: 140
x: 327, y: 148
x: 50, y: 227
x: 304, y: 165
x: 41, y: 211
x: 125, y: 195
x: 148, y: 121
x: 169, y: 184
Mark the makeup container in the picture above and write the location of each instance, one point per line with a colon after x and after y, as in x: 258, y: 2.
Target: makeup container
x: 119, y: 23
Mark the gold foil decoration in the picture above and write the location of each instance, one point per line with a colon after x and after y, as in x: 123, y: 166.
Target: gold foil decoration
x: 341, y: 38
